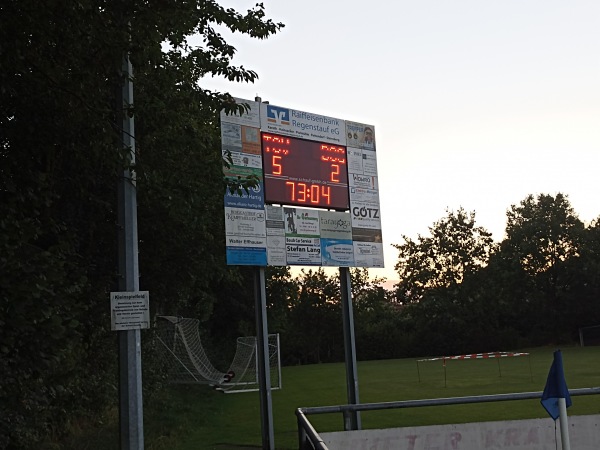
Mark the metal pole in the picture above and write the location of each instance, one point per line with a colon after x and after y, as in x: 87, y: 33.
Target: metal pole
x: 280, y: 384
x: 564, y: 424
x: 445, y: 376
x: 352, y: 420
x: 130, y: 349
x: 262, y: 349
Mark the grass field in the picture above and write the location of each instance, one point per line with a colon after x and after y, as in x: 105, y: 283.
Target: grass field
x: 195, y: 417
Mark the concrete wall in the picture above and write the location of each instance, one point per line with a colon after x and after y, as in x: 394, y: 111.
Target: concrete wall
x: 534, y: 434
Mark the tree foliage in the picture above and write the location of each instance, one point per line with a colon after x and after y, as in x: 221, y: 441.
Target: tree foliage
x: 536, y: 287
x: 456, y: 249
x: 315, y: 315
x: 60, y: 155
x: 542, y: 232
x: 544, y: 238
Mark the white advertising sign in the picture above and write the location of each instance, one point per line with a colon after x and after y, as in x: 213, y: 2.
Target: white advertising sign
x: 337, y: 253
x: 240, y: 138
x: 243, y: 222
x: 231, y: 136
x: 368, y: 254
x: 335, y: 225
x: 245, y: 241
x: 363, y: 181
x: 129, y: 310
x: 364, y: 195
x: 250, y: 118
x: 301, y: 222
x: 275, y: 221
x: 303, y: 251
x: 365, y: 215
x: 276, y: 251
x: 363, y: 162
x: 300, y: 124
x: 355, y: 162
x: 359, y: 135
x: 245, y: 160
x: 275, y: 236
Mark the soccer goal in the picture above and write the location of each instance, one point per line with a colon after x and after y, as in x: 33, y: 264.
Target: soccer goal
x: 589, y: 335
x: 187, y: 361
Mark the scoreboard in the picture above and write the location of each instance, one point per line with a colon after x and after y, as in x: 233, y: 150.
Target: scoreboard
x: 304, y: 173
x: 317, y: 202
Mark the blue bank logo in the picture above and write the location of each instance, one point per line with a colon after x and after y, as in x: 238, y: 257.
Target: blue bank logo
x: 280, y: 116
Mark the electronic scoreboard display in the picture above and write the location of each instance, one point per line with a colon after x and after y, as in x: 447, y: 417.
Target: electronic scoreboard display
x: 304, y: 173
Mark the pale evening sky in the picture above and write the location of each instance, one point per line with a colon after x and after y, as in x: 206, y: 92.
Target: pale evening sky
x: 476, y: 103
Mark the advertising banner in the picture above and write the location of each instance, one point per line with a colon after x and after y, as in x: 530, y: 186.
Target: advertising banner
x: 253, y: 199
x: 301, y: 222
x: 337, y: 253
x: 275, y: 236
x: 335, y: 225
x: 291, y: 122
x: 363, y: 162
x: 243, y: 222
x: 250, y: 118
x: 303, y: 251
x: 361, y: 136
x: 246, y: 256
x: 368, y: 254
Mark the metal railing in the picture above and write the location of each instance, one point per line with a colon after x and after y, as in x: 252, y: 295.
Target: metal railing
x: 309, y: 438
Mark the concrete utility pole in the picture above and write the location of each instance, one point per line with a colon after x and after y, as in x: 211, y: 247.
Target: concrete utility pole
x: 130, y: 347
x: 262, y: 350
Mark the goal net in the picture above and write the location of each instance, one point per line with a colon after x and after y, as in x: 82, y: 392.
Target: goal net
x: 187, y: 361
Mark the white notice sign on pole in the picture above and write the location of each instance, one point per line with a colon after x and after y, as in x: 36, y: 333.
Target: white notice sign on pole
x: 129, y: 310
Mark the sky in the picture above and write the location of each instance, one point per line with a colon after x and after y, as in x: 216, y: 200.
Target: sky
x: 476, y: 103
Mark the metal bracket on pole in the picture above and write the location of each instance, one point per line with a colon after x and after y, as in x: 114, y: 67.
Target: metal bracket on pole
x: 130, y: 349
x: 262, y: 350
x: 352, y: 419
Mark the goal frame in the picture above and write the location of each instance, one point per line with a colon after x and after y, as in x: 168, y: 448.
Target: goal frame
x: 188, y: 362
x: 582, y: 331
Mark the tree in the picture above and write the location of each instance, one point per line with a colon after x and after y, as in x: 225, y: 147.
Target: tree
x: 60, y: 155
x: 582, y: 298
x: 542, y: 232
x: 181, y: 190
x: 456, y: 249
x: 282, y: 292
x: 379, y: 326
x: 315, y: 328
x: 58, y: 161
x: 543, y: 236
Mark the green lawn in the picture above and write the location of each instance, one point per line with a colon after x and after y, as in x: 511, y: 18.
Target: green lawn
x: 195, y: 417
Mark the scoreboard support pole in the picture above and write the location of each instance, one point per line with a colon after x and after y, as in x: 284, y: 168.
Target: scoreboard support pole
x: 351, y: 419
x: 262, y: 350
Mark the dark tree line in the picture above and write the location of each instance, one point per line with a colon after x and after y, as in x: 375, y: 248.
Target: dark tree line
x: 459, y: 291
x: 537, y: 286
